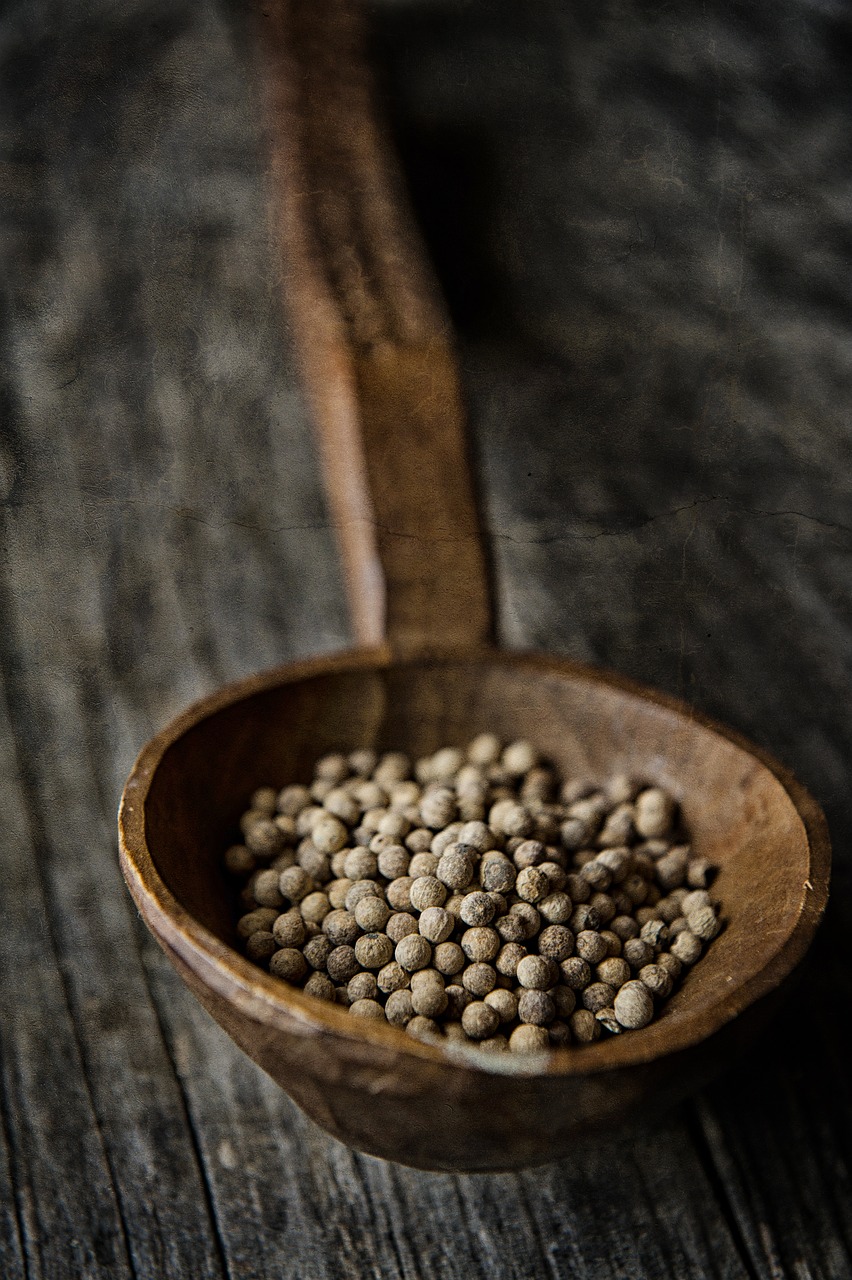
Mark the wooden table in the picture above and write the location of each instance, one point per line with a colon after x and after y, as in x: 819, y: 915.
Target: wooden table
x: 642, y: 217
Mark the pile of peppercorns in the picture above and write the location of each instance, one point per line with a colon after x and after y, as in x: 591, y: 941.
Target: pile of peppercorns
x: 470, y: 896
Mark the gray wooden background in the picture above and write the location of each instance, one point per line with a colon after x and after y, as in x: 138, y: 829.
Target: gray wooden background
x: 642, y: 215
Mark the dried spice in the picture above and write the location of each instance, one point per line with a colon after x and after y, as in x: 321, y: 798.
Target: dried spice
x: 473, y: 896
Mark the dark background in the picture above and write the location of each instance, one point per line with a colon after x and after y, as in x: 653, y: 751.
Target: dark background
x: 642, y: 219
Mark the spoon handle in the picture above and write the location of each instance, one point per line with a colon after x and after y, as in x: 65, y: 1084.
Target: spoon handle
x: 373, y: 341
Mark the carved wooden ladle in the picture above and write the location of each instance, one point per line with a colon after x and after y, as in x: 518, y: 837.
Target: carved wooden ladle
x: 384, y: 389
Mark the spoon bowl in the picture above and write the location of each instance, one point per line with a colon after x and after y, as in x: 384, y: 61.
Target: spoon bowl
x: 372, y: 1085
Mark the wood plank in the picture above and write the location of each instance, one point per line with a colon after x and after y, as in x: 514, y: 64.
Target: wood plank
x: 65, y: 1196
x: 12, y: 1257
x: 167, y: 522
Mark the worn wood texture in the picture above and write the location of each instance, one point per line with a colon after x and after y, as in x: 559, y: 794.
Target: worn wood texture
x: 642, y: 220
x: 373, y: 340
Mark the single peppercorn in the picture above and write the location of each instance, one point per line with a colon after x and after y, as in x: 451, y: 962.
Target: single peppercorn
x: 413, y: 952
x: 536, y: 1007
x: 342, y: 963
x: 479, y: 1020
x: 633, y: 1005
x: 288, y: 964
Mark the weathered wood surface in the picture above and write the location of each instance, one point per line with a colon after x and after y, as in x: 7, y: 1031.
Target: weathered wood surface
x: 643, y: 220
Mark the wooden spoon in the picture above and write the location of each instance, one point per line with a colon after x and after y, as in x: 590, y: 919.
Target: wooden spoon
x: 385, y: 394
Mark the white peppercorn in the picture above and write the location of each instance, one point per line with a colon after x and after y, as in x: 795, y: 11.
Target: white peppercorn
x: 479, y: 979
x: 613, y: 971
x: 413, y: 952
x: 399, y: 925
x: 479, y: 1020
x: 316, y: 951
x: 528, y: 1038
x: 371, y: 914
x: 584, y: 1026
x: 399, y: 1009
x: 393, y: 861
x: 362, y: 987
x: 428, y: 995
x: 254, y: 921
x: 504, y: 1003
x: 422, y: 1028
x: 423, y: 864
x: 654, y: 813
x: 288, y: 929
x: 392, y: 977
x: 398, y: 893
x: 702, y: 921
x: 427, y: 891
x: 341, y: 928
x: 535, y: 1007
x: 437, y: 808
x: 526, y: 912
x: 288, y: 964
x: 320, y: 987
x: 436, y: 924
x: 638, y: 953
x: 655, y: 978
x: 633, y: 1005
x: 597, y: 995
x: 367, y: 1009
x: 536, y: 972
x: 556, y: 942
x: 480, y: 943
x: 508, y: 958
x: 374, y: 950
x: 342, y: 963
x: 686, y: 947
x: 260, y: 945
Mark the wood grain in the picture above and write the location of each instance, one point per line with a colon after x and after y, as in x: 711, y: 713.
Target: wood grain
x: 163, y: 549
x: 373, y: 341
